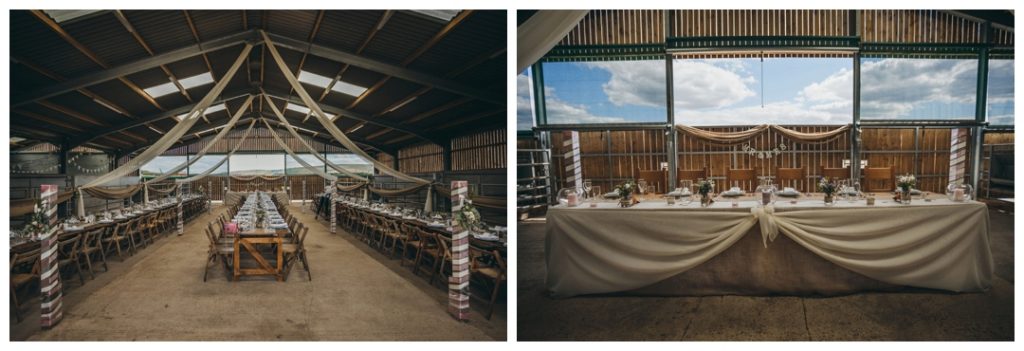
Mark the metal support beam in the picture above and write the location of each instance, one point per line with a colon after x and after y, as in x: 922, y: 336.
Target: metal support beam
x: 539, y: 107
x: 133, y: 67
x: 86, y: 137
x: 63, y: 158
x: 980, y: 106
x: 387, y: 69
x: 671, y: 148
x: 855, y: 131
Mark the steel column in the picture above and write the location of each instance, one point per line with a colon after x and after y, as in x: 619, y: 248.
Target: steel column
x: 980, y: 106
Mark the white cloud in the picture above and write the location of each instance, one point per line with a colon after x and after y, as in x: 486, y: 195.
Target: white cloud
x: 895, y: 87
x: 1000, y: 81
x: 701, y: 85
x: 640, y: 83
x: 561, y: 112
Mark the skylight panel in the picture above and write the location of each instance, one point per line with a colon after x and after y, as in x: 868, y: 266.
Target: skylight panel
x: 297, y: 108
x: 196, y: 80
x: 209, y: 110
x: 348, y: 88
x: 161, y: 90
x: 314, y: 79
x: 61, y: 16
x: 442, y: 15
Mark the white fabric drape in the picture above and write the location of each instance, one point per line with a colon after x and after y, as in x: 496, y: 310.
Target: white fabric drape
x: 938, y: 245
x: 308, y: 147
x: 170, y: 137
x: 225, y: 159
x: 302, y: 162
x: 220, y: 135
x: 593, y: 251
x: 541, y: 32
x: 327, y: 123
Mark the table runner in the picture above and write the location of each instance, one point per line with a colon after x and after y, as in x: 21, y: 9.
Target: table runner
x: 938, y: 244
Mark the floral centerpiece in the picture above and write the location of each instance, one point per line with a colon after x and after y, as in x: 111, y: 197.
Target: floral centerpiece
x: 39, y: 223
x: 828, y: 186
x: 467, y: 217
x: 625, y: 192
x: 905, y: 183
x: 704, y: 188
x: 261, y: 216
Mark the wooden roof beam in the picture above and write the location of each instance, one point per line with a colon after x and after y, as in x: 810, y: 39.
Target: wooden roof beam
x: 138, y: 38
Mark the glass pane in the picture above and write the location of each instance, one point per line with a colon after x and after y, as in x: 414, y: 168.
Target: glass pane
x: 162, y: 164
x: 296, y: 168
x: 350, y: 162
x: 917, y: 88
x: 749, y: 91
x: 260, y: 164
x: 1000, y: 92
x: 524, y: 102
x: 605, y: 92
x: 207, y: 161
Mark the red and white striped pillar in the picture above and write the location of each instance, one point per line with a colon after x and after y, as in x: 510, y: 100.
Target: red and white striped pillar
x: 458, y: 283
x: 571, y: 159
x: 181, y: 221
x: 52, y: 308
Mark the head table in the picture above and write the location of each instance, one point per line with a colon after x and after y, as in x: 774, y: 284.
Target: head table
x: 795, y: 246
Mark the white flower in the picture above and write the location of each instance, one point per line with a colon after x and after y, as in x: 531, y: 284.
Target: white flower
x: 627, y: 186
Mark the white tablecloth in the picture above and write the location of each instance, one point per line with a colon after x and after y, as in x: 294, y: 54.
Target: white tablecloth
x: 938, y: 244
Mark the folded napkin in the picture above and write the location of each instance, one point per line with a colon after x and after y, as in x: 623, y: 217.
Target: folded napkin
x: 789, y: 192
x: 735, y: 191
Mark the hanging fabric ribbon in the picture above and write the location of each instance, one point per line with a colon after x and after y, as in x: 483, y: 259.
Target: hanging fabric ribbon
x: 308, y: 147
x: 736, y: 138
x: 225, y: 159
x: 170, y: 137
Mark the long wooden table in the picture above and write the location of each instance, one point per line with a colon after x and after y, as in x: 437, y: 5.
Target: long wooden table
x: 251, y: 240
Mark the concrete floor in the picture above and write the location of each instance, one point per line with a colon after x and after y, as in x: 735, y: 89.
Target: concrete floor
x: 865, y: 316
x: 356, y: 294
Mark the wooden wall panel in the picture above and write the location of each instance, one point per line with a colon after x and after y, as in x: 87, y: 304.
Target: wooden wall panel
x: 423, y: 158
x: 480, y: 151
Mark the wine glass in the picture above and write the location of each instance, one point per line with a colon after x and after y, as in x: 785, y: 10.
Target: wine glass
x: 587, y: 187
x: 856, y: 190
x: 596, y: 193
x: 641, y: 185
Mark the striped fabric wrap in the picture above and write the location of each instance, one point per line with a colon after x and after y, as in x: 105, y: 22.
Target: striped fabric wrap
x: 458, y: 283
x: 51, y: 297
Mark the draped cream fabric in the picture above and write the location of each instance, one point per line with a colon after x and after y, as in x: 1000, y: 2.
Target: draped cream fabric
x: 398, y: 192
x: 735, y: 138
x: 939, y: 245
x: 327, y: 123
x: 153, y: 188
x: 593, y: 251
x: 225, y: 159
x: 541, y: 32
x: 308, y: 147
x: 220, y: 135
x: 171, y: 137
x: 348, y: 188
x: 114, y: 193
x: 302, y: 162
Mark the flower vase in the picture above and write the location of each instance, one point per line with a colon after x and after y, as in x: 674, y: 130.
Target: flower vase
x: 705, y: 200
x: 905, y: 197
x: 829, y: 200
x: 626, y: 201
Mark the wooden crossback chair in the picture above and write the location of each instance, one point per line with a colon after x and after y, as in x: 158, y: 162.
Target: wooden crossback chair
x: 428, y: 248
x: 655, y: 178
x: 218, y: 250
x: 114, y: 239
x: 91, y: 246
x: 24, y: 270
x: 390, y: 229
x: 67, y: 255
x: 690, y: 174
x: 790, y: 177
x: 744, y: 178
x: 834, y: 173
x: 494, y: 273
x: 879, y: 179
x: 296, y: 251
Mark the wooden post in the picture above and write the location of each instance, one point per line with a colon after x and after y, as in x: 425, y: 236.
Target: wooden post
x: 51, y: 297
x: 458, y: 283
x: 571, y: 159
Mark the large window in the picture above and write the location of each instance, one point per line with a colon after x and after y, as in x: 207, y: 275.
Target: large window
x: 207, y: 161
x: 161, y: 165
x: 918, y: 88
x: 605, y: 92
x: 749, y: 91
x: 296, y: 168
x: 259, y: 164
x: 351, y: 163
x: 524, y: 102
x: 1000, y: 92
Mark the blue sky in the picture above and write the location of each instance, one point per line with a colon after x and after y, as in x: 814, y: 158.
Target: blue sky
x: 796, y: 91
